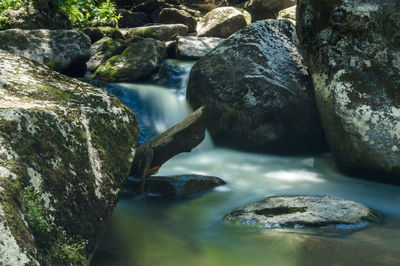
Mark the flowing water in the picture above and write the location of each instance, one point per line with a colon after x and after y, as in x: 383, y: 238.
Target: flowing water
x: 153, y: 231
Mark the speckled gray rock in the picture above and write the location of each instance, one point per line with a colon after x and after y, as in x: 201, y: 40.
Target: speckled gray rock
x: 257, y: 92
x: 352, y: 49
x: 30, y: 18
x: 175, y: 186
x: 103, y: 50
x: 221, y: 22
x: 138, y: 61
x: 176, y: 16
x: 164, y: 32
x: 323, y: 212
x: 266, y: 9
x: 191, y: 47
x: 65, y: 51
x: 204, y: 5
x: 66, y: 149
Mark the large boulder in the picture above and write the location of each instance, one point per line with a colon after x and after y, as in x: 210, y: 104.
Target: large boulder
x: 352, y: 49
x: 177, y: 16
x: 103, y: 50
x: 221, y: 22
x: 191, y: 47
x: 266, y: 9
x: 326, y: 213
x: 137, y: 62
x: 30, y: 18
x: 65, y: 51
x: 257, y: 92
x: 164, y: 32
x: 203, y: 5
x: 66, y: 150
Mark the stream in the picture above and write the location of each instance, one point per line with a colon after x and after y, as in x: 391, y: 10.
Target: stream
x: 154, y: 231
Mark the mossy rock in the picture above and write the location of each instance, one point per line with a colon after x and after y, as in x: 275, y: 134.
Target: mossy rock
x: 66, y: 151
x: 164, y: 32
x: 138, y: 61
x: 351, y: 48
x: 103, y: 50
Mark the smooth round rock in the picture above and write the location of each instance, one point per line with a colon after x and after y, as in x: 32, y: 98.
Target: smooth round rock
x: 304, y: 211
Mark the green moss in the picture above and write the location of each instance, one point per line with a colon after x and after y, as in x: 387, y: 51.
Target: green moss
x: 53, y: 65
x: 57, y: 246
x: 270, y: 212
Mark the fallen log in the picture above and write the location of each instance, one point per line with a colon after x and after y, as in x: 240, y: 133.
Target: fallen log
x: 182, y: 137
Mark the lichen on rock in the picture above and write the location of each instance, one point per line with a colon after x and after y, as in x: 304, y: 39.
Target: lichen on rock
x: 66, y: 149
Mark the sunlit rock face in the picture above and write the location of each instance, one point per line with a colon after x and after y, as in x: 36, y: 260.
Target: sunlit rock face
x: 66, y: 149
x: 65, y: 51
x: 191, y: 47
x: 328, y: 214
x: 257, y: 92
x: 352, y: 49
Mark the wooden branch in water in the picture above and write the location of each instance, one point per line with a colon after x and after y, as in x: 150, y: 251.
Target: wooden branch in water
x: 182, y: 137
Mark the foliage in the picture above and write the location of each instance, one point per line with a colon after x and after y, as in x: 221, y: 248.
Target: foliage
x: 89, y: 12
x: 82, y: 13
x: 59, y: 248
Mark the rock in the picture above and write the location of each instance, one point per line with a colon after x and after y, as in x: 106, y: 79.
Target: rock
x: 66, y: 150
x: 288, y: 13
x: 30, y: 18
x: 191, y: 47
x: 131, y: 19
x: 147, y: 6
x: 353, y: 53
x: 221, y: 22
x: 169, y: 76
x: 176, y: 16
x: 97, y: 33
x: 65, y: 51
x: 203, y: 5
x: 175, y: 186
x: 257, y: 92
x: 137, y: 62
x: 127, y: 4
x: 265, y: 9
x: 323, y: 212
x: 163, y: 32
x: 103, y: 50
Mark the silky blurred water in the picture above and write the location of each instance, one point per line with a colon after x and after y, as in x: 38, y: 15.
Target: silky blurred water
x: 153, y: 231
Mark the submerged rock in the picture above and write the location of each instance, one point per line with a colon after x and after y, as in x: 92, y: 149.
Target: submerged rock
x: 66, y: 149
x: 267, y: 9
x: 352, y: 49
x: 103, y: 50
x: 175, y: 186
x: 139, y: 61
x: 257, y: 93
x: 221, y: 22
x: 323, y: 212
x: 65, y: 51
x: 191, y: 47
x: 30, y: 18
x: 163, y: 32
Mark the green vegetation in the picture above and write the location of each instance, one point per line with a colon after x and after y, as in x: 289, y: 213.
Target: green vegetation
x: 82, y: 13
x: 59, y: 248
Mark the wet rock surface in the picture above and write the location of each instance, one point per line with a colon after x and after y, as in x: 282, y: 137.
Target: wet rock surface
x: 175, y: 186
x: 65, y: 51
x: 322, y: 212
x: 257, y: 93
x: 351, y: 48
x: 66, y: 149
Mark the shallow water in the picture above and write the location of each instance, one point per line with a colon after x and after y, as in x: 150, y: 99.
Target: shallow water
x: 152, y: 231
